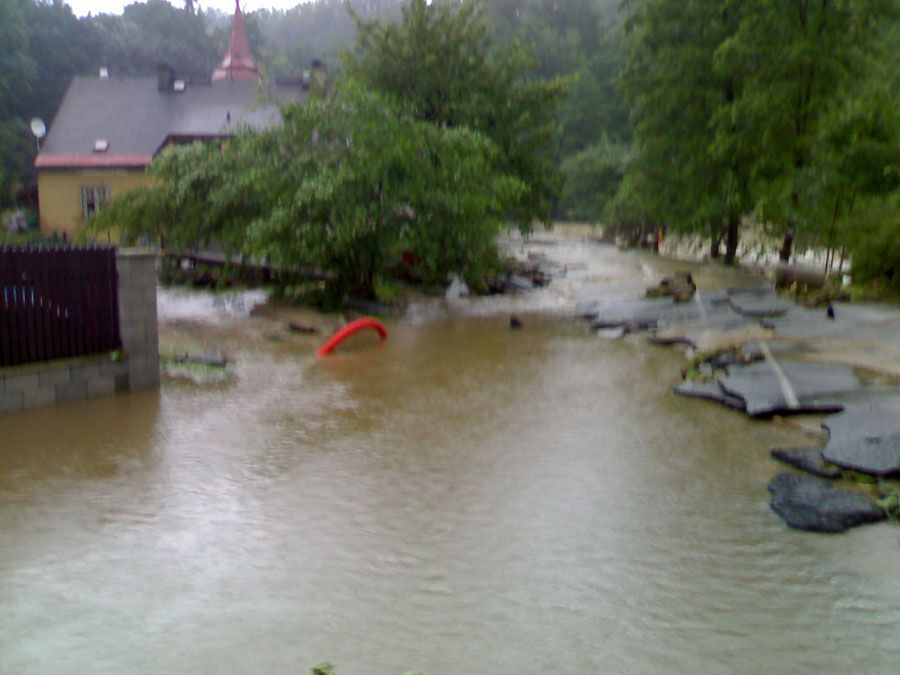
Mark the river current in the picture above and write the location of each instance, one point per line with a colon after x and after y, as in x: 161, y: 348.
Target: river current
x: 461, y: 498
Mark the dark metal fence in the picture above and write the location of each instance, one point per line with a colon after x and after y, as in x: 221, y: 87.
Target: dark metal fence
x: 57, y: 303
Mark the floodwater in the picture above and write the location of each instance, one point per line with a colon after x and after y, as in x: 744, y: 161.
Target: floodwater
x: 459, y: 499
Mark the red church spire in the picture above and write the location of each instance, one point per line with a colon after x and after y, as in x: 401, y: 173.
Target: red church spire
x: 237, y: 64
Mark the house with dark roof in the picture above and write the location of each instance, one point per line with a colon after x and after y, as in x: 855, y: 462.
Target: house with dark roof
x: 108, y: 130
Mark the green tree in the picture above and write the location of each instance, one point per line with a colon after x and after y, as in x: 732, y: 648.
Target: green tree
x: 347, y: 183
x: 438, y: 62
x: 293, y: 38
x: 154, y: 32
x: 16, y: 78
x: 591, y: 179
x: 793, y: 58
x: 854, y: 182
x: 61, y: 46
x: 695, y: 176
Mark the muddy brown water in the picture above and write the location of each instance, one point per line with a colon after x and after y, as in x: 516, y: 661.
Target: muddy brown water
x: 458, y: 499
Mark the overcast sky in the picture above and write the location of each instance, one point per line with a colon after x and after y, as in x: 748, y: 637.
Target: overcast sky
x: 82, y: 7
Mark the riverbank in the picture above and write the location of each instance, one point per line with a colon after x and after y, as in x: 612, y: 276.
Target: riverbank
x: 760, y: 353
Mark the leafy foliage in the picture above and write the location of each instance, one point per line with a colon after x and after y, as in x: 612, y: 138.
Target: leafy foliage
x: 794, y: 61
x: 675, y: 95
x: 154, y: 32
x: 438, y: 62
x: 779, y: 108
x: 347, y: 183
x: 592, y: 178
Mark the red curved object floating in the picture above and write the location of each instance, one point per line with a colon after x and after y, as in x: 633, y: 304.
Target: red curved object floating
x: 348, y: 330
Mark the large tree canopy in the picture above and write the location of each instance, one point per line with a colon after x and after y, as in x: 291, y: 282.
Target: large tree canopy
x: 439, y: 63
x: 775, y: 108
x: 347, y: 183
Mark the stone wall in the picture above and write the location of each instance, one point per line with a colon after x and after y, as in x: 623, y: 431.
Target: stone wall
x: 135, y: 367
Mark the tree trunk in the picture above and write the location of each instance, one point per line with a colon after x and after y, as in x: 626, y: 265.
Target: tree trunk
x: 732, y: 235
x: 787, y: 245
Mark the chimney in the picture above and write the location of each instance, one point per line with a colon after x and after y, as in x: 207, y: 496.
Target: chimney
x: 165, y: 77
x: 319, y: 74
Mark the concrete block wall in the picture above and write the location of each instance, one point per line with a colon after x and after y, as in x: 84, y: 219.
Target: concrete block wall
x: 40, y: 384
x: 137, y: 316
x: 135, y: 367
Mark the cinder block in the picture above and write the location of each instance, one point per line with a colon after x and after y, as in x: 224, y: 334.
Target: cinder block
x: 85, y: 372
x: 151, y: 334
x: 11, y: 401
x: 113, y: 368
x: 51, y: 378
x: 122, y: 382
x: 143, y: 372
x: 73, y: 391
x: 101, y: 386
x: 38, y: 398
x: 131, y: 331
x: 23, y: 382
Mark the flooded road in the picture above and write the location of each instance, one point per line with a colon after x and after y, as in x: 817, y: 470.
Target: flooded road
x: 458, y: 499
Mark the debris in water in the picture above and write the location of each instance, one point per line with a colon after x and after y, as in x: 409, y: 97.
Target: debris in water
x: 297, y: 327
x: 680, y: 287
x: 457, y: 289
x: 212, y: 361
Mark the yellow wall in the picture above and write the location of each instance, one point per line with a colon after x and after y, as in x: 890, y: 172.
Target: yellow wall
x: 59, y: 192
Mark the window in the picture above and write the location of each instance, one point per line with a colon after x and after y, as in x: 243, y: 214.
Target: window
x: 92, y: 198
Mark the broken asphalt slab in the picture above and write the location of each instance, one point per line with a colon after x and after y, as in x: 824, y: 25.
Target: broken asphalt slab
x: 790, y: 387
x: 813, y: 504
x: 865, y: 321
x: 673, y: 319
x: 710, y: 391
x: 758, y: 303
x: 808, y: 460
x: 866, y: 438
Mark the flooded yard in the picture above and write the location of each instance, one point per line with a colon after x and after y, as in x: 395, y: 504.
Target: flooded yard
x: 458, y: 499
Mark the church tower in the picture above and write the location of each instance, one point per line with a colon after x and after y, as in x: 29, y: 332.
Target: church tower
x: 237, y: 64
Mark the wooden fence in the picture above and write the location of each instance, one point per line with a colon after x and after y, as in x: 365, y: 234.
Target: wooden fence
x: 57, y: 303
